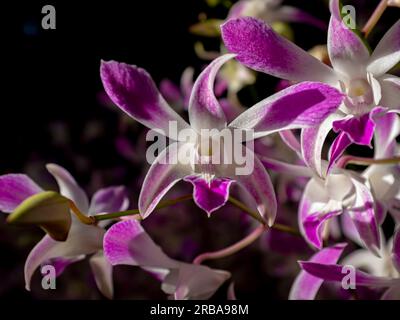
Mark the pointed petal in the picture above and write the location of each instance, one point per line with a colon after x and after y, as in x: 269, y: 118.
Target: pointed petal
x: 333, y: 272
x: 312, y: 142
x: 259, y: 186
x: 111, y: 199
x: 360, y: 130
x: 163, y: 174
x: 14, y: 189
x: 205, y: 111
x: 210, y: 196
x: 290, y: 140
x: 102, y: 271
x: 306, y: 286
x: 68, y: 186
x: 303, y: 105
x: 339, y: 145
x: 347, y: 51
x: 134, y: 91
x: 259, y: 47
x: 387, y: 53
x: 314, y: 226
x: 127, y: 243
x: 363, y: 215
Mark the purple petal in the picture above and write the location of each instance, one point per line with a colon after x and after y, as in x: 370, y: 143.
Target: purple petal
x: 61, y: 263
x: 363, y: 215
x: 303, y: 105
x: 111, y: 199
x: 338, y: 146
x: 133, y: 90
x: 387, y: 53
x: 210, y: 196
x: 127, y: 243
x: 396, y: 250
x: 313, y: 140
x: 14, y: 189
x: 163, y: 174
x: 102, y: 272
x: 334, y: 272
x: 360, y: 130
x: 347, y: 51
x: 171, y: 92
x: 68, y: 186
x: 205, y: 111
x: 306, y: 286
x: 259, y: 186
x: 259, y: 47
x: 314, y: 225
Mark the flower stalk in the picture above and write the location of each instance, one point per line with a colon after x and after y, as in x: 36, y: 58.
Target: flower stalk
x: 376, y: 15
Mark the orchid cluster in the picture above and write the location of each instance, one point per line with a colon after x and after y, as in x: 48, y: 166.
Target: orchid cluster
x: 307, y: 195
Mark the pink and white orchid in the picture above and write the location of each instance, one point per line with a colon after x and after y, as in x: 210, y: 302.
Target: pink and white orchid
x: 83, y: 240
x: 132, y: 89
x: 362, y: 76
x: 383, y: 273
x: 127, y: 243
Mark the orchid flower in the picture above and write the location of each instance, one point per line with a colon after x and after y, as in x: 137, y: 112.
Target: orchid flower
x: 272, y: 11
x: 127, y: 243
x: 132, y: 89
x: 362, y: 76
x: 385, y: 179
x: 383, y: 272
x: 83, y: 240
x: 341, y: 193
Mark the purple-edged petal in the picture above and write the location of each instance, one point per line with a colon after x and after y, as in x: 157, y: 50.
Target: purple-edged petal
x: 347, y: 51
x: 127, y: 243
x: 210, y: 196
x: 287, y: 168
x: 102, y: 272
x: 306, y: 286
x: 163, y: 174
x: 363, y: 215
x: 14, y: 189
x: 396, y: 250
x: 339, y: 145
x: 61, y: 263
x: 69, y: 187
x: 134, y: 91
x: 387, y: 53
x: 259, y: 47
x: 312, y: 142
x: 314, y: 225
x: 205, y: 111
x: 111, y: 199
x: 334, y: 272
x: 259, y: 187
x: 386, y: 130
x: 303, y: 105
x: 290, y: 140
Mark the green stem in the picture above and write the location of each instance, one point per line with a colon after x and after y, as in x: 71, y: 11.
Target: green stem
x: 376, y: 15
x: 345, y: 160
